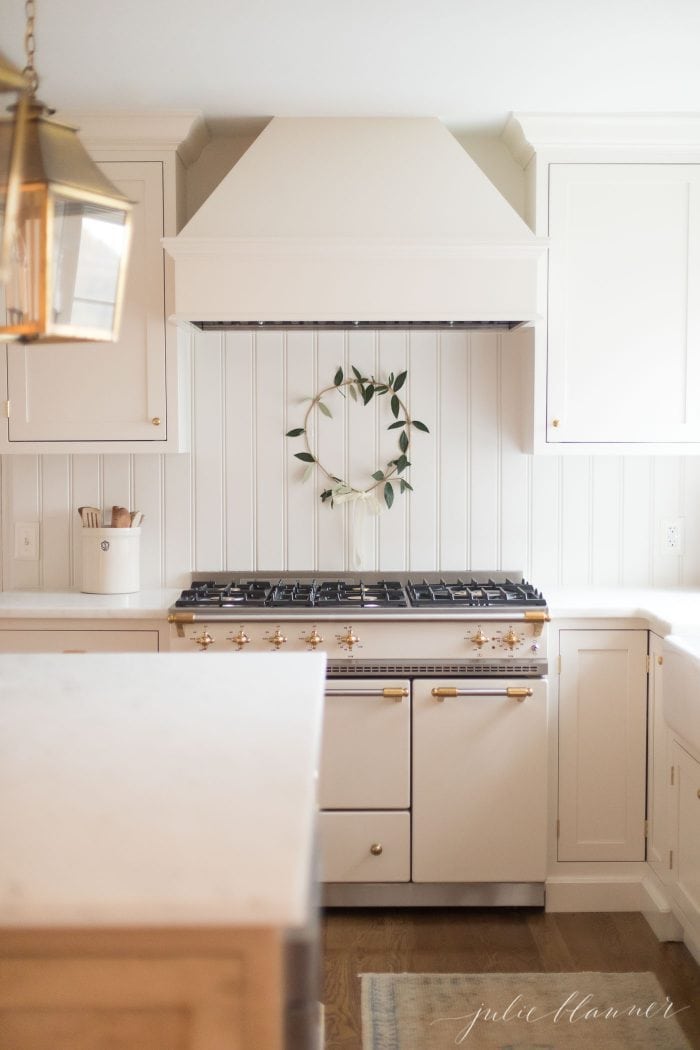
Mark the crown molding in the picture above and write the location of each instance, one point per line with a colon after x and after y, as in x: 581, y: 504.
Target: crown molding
x: 182, y: 131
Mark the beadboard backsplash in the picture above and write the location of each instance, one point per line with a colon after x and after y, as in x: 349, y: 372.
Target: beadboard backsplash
x: 237, y: 502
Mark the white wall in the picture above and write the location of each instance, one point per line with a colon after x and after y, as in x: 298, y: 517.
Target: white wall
x: 236, y: 502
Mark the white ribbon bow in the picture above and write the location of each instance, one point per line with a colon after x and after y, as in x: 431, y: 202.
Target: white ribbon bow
x: 362, y: 504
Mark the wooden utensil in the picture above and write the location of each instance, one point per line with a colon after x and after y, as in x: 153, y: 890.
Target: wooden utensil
x: 137, y: 517
x: 121, y: 519
x: 90, y: 517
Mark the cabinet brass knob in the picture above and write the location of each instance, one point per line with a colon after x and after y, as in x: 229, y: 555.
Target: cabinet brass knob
x: 556, y: 422
x: 376, y: 849
x: 156, y: 421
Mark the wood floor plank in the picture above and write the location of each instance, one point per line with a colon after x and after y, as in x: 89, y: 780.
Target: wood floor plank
x: 517, y: 940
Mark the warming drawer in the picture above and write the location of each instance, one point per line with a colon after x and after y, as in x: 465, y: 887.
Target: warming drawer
x: 365, y: 846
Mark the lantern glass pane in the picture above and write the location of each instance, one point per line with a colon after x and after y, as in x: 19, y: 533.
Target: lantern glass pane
x: 24, y: 292
x: 88, y: 246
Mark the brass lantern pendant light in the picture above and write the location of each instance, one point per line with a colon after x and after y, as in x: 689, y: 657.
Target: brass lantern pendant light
x: 14, y: 85
x: 68, y: 256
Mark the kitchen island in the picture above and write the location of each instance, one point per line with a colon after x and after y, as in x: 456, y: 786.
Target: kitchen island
x: 157, y: 815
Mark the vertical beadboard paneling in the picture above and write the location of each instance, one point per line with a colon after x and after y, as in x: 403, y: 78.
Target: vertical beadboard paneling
x: 576, y: 519
x: 606, y: 515
x: 362, y: 455
x: 148, y: 497
x: 57, y: 516
x: 208, y: 451
x: 22, y: 493
x: 636, y: 525
x: 515, y: 465
x: 545, y: 525
x: 451, y: 433
x: 690, y: 562
x: 235, y: 501
x: 668, y: 483
x: 301, y: 497
x: 331, y: 524
x: 393, y: 523
x: 484, y: 458
x: 426, y: 474
x: 240, y: 450
x: 271, y: 450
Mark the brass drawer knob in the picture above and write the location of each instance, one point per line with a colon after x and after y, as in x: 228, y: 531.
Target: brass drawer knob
x: 156, y: 421
x: 376, y: 849
x: 556, y: 422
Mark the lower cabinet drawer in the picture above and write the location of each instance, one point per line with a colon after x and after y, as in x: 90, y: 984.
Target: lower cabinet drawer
x: 358, y: 846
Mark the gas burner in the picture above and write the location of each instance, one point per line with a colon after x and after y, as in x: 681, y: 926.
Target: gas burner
x: 472, y: 593
x: 212, y: 594
x: 348, y: 593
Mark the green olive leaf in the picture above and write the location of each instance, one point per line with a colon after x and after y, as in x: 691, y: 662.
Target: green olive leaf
x: 403, y: 441
x: 368, y: 393
x: 399, y: 381
x: 395, y: 406
x: 295, y: 433
x: 401, y: 464
x: 305, y: 457
x: 353, y: 391
x: 378, y: 475
x: 325, y: 409
x: 388, y: 494
x: 420, y: 426
x: 307, y: 473
x: 338, y: 378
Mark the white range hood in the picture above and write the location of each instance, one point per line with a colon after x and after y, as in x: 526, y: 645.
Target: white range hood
x: 355, y: 221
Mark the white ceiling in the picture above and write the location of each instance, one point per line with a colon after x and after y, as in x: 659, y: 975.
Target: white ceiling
x: 470, y: 62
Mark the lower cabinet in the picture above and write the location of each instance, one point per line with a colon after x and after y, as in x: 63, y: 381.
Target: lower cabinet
x: 58, y: 640
x: 685, y: 831
x: 602, y: 745
x: 480, y: 781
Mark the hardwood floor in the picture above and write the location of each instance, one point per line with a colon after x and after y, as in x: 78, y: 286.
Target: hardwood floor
x: 452, y: 940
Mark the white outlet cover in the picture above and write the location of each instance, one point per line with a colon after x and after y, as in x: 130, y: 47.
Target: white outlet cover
x: 27, y: 540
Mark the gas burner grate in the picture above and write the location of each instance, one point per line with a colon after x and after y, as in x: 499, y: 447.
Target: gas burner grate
x: 210, y: 594
x: 472, y: 593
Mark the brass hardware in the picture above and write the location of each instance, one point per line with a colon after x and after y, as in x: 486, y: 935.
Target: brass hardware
x: 659, y: 660
x: 518, y: 693
x: 556, y: 422
x: 376, y: 849
x: 348, y: 640
x: 240, y: 639
x: 538, y: 617
x: 442, y: 691
x: 394, y: 693
x: 511, y: 639
x: 180, y: 630
x: 313, y: 639
x: 479, y: 638
x: 278, y: 638
x: 204, y: 640
x: 6, y: 408
x: 181, y: 617
x: 156, y: 421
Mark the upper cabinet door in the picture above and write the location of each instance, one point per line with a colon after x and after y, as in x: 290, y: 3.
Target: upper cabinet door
x: 623, y: 343
x: 104, y: 392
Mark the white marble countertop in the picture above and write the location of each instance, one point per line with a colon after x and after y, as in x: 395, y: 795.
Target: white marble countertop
x: 159, y: 790
x: 75, y: 605
x: 664, y: 610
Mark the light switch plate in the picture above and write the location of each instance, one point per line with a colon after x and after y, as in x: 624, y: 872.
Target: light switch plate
x: 27, y: 540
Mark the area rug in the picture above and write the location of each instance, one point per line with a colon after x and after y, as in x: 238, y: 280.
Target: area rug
x: 519, y: 1011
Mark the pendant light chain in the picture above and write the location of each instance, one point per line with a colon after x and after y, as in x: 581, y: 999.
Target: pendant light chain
x: 30, y: 47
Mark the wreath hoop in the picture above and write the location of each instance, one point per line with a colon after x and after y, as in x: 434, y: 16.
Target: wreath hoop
x: 363, y: 388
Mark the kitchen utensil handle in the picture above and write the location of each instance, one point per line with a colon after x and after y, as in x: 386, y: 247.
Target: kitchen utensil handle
x: 450, y: 692
x: 386, y: 693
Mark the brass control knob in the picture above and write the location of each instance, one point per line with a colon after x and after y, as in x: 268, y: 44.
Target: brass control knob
x: 313, y: 639
x: 348, y: 640
x: 479, y: 638
x: 204, y: 640
x: 240, y: 639
x: 511, y: 639
x: 278, y: 638
x: 376, y: 849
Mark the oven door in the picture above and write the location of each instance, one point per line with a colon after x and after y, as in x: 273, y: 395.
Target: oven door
x: 365, y: 787
x: 479, y: 809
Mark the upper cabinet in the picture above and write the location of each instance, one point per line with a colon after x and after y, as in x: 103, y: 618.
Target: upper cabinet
x: 616, y: 356
x: 127, y: 396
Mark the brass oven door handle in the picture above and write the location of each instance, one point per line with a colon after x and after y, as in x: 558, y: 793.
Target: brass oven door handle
x: 519, y: 693
x: 387, y: 692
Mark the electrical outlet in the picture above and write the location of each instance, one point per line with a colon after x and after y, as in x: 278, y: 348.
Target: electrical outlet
x: 27, y: 540
x: 672, y: 539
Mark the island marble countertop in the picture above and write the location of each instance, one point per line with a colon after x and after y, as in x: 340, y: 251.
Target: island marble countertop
x: 162, y: 790
x: 74, y: 605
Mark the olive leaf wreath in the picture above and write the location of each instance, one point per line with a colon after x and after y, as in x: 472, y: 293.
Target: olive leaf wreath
x: 364, y: 387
